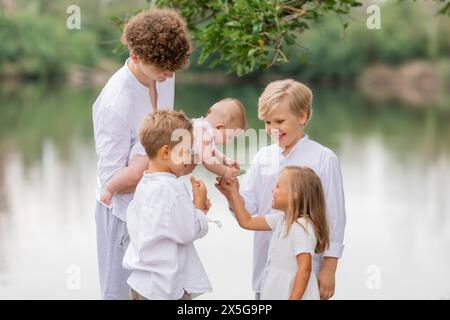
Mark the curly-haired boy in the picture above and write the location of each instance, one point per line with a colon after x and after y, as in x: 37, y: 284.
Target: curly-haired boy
x: 158, y: 41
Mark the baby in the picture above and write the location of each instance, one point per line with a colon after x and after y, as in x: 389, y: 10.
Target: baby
x: 224, y: 121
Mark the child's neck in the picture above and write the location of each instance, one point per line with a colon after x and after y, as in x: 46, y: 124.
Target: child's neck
x: 288, y: 148
x: 155, y: 166
x: 142, y: 78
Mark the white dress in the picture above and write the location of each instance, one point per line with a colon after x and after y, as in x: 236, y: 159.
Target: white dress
x: 282, y: 263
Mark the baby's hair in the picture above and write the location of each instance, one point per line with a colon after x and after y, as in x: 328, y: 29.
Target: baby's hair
x: 159, y: 37
x: 157, y: 128
x: 236, y: 117
x: 296, y: 95
x: 307, y: 200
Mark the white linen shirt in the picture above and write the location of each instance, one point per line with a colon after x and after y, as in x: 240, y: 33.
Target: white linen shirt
x: 256, y: 190
x: 117, y: 114
x: 163, y: 223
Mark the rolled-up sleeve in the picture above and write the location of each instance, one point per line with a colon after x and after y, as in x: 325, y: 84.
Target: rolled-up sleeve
x: 331, y: 177
x: 112, y: 143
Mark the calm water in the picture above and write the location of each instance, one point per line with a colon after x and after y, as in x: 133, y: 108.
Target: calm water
x: 395, y: 162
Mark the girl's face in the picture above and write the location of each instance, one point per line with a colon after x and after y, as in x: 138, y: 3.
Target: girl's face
x: 280, y: 199
x: 283, y: 126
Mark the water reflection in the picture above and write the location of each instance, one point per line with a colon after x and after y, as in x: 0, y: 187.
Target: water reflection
x: 395, y: 163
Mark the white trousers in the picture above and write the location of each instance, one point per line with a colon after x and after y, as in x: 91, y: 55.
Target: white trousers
x: 112, y: 242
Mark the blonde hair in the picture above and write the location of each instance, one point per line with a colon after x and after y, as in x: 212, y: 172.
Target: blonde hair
x: 157, y: 128
x: 296, y: 95
x: 234, y: 117
x: 307, y: 200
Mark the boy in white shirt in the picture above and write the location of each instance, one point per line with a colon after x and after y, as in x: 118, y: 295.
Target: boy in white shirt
x: 224, y: 121
x: 119, y: 109
x: 285, y: 106
x: 162, y: 221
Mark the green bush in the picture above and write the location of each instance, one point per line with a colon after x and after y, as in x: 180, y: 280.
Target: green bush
x: 43, y: 46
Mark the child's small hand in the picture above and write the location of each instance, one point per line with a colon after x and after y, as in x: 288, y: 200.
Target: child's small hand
x: 106, y: 196
x: 232, y: 163
x: 200, y: 193
x: 228, y: 187
x: 230, y: 172
x: 207, y: 205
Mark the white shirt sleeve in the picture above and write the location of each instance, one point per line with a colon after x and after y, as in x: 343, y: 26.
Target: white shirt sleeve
x: 186, y: 223
x: 112, y: 143
x: 249, y: 187
x: 301, y: 240
x: 273, y: 219
x: 331, y: 177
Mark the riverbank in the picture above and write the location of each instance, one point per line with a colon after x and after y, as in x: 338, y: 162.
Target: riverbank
x: 416, y: 83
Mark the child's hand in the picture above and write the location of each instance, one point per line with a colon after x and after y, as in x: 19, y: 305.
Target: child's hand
x: 106, y: 196
x: 232, y: 163
x: 228, y: 187
x: 200, y: 193
x: 230, y: 172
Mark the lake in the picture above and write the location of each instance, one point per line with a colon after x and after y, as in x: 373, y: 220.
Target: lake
x: 395, y: 162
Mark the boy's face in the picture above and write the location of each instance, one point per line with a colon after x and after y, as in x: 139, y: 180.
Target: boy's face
x: 150, y: 71
x: 283, y: 126
x: 154, y: 73
x: 179, y: 159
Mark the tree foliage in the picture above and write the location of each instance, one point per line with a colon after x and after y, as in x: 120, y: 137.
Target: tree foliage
x: 246, y: 35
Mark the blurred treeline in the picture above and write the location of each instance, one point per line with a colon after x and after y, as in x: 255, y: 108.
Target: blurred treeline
x: 35, y: 42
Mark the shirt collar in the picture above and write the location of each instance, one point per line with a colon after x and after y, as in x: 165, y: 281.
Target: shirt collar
x: 299, y: 143
x: 132, y: 76
x: 153, y: 175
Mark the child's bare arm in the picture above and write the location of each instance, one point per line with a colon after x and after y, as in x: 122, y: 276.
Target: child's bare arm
x: 215, y: 161
x: 229, y: 188
x: 301, y: 280
x: 225, y: 160
x: 129, y: 177
x: 221, y: 170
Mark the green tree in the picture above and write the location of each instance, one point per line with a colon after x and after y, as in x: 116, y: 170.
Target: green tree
x: 246, y: 35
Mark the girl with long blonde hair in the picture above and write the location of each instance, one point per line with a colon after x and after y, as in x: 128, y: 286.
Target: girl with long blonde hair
x: 300, y: 229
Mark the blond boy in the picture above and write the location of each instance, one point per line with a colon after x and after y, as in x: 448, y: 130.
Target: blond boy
x: 285, y: 106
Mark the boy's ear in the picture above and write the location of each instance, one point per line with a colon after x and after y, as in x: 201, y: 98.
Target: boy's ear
x: 303, y: 118
x: 164, y: 152
x: 134, y: 57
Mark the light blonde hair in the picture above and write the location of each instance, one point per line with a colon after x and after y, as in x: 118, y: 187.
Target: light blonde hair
x: 157, y: 128
x: 307, y: 200
x: 234, y: 117
x: 296, y: 95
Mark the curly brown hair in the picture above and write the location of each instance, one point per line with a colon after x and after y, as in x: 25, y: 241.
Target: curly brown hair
x: 159, y: 37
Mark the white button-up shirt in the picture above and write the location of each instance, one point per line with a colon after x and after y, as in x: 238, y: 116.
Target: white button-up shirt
x: 256, y: 190
x: 163, y: 223
x: 117, y: 114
